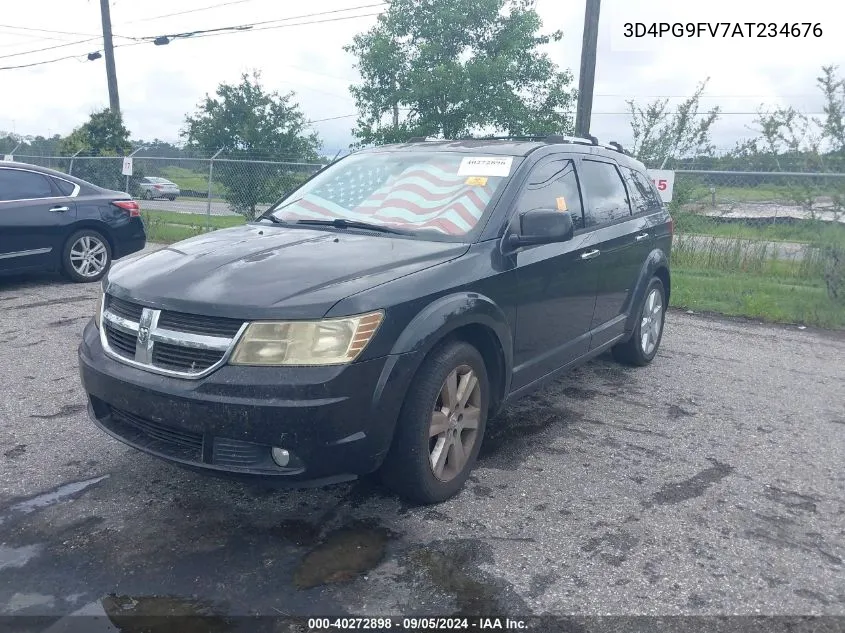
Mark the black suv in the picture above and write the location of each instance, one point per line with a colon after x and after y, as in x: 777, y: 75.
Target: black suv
x: 379, y: 315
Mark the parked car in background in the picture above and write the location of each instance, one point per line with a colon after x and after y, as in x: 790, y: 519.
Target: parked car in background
x: 52, y: 221
x: 151, y: 187
x: 377, y: 316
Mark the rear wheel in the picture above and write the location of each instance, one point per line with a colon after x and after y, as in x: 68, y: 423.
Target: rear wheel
x: 86, y: 256
x: 642, y: 347
x: 441, y: 426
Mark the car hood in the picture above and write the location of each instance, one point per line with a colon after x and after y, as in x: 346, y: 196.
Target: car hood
x: 264, y: 271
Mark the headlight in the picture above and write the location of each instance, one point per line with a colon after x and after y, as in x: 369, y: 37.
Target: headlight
x: 99, y: 311
x: 326, y: 342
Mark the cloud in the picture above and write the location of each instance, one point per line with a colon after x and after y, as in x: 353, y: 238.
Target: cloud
x: 159, y: 85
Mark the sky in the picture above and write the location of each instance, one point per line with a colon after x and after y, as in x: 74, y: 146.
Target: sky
x: 159, y: 85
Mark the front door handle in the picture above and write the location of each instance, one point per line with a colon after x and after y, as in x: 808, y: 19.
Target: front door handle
x: 590, y: 254
x: 59, y: 209
x: 641, y: 236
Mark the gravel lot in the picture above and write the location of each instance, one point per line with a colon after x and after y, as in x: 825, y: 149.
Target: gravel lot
x: 711, y: 482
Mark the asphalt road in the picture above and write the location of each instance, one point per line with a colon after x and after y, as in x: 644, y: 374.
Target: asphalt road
x: 185, y: 205
x: 710, y: 482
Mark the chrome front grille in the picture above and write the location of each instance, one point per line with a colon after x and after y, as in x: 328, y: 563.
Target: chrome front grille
x: 166, y: 342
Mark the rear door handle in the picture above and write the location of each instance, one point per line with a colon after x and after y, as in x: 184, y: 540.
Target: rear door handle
x: 641, y: 236
x: 60, y: 209
x: 590, y: 254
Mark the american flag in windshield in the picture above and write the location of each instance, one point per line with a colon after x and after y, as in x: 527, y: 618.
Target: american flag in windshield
x: 413, y: 193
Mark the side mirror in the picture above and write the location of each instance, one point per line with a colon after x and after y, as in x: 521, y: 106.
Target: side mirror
x: 542, y: 226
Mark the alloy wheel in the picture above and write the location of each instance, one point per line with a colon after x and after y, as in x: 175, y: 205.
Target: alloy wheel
x: 454, y: 423
x: 88, y: 256
x: 652, y: 321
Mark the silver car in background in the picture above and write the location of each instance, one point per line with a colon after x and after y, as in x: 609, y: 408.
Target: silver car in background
x: 152, y: 187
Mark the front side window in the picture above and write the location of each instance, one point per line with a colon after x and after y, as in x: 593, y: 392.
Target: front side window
x: 16, y: 184
x: 421, y: 192
x: 604, y: 191
x: 553, y: 185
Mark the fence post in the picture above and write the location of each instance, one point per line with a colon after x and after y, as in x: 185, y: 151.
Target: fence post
x: 208, y: 203
x: 127, y: 177
x: 70, y: 167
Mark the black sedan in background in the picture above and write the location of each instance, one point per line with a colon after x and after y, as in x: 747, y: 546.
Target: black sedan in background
x: 51, y: 221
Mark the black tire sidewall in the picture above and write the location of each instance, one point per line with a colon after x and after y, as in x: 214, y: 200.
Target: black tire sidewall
x: 407, y: 468
x: 67, y: 267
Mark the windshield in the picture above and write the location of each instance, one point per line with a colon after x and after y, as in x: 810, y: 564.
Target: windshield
x: 440, y: 192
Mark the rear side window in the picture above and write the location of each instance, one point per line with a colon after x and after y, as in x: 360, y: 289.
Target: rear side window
x: 553, y: 185
x: 64, y: 186
x: 649, y: 190
x: 604, y: 193
x: 23, y: 185
x: 639, y: 195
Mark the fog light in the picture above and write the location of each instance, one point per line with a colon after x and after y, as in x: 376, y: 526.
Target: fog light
x: 280, y: 456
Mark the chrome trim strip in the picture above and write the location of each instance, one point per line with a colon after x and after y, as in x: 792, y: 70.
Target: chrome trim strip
x: 73, y: 194
x: 187, y: 339
x: 123, y: 324
x: 34, y: 251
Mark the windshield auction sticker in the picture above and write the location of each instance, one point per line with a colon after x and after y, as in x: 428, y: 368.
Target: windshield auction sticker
x: 486, y: 166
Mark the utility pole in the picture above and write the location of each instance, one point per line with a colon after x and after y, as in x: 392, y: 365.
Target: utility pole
x: 108, y: 49
x: 587, y: 76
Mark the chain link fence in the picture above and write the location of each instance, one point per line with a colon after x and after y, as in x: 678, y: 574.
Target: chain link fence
x: 758, y: 194
x: 213, y: 187
x: 232, y: 187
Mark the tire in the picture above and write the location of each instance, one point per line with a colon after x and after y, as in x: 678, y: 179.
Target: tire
x: 98, y: 251
x: 409, y: 469
x: 171, y: 198
x: 145, y: 195
x: 638, y: 351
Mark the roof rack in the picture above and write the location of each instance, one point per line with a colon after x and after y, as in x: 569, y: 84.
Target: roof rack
x: 546, y: 138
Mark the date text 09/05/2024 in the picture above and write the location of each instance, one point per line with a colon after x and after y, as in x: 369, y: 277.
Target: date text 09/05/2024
x: 722, y: 29
x: 416, y: 624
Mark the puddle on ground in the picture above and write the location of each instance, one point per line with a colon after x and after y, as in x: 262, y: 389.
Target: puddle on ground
x: 342, y: 556
x: 163, y: 614
x: 297, y: 532
x: 49, y: 498
x: 447, y: 570
x: 17, y: 556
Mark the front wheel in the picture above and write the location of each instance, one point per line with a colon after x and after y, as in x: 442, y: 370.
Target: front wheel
x: 642, y: 347
x: 86, y: 256
x: 440, y: 427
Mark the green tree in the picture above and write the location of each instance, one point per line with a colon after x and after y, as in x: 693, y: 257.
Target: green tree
x: 247, y: 121
x: 663, y: 135
x: 452, y: 68
x: 104, y: 134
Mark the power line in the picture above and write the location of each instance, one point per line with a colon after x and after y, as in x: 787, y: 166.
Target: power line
x: 59, y: 59
x: 29, y: 28
x: 49, y: 48
x: 170, y: 15
x: 146, y: 40
x: 250, y: 25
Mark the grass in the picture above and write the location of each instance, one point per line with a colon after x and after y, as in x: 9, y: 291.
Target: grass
x: 788, y: 193
x: 174, y: 217
x: 190, y: 179
x: 768, y: 298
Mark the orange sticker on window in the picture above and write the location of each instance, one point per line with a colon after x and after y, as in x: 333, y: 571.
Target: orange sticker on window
x: 561, y: 204
x: 476, y: 181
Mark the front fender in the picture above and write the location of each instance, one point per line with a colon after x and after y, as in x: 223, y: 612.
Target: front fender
x: 655, y: 260
x: 447, y: 314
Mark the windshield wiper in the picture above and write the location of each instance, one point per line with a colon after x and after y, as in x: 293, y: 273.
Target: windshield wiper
x: 342, y: 223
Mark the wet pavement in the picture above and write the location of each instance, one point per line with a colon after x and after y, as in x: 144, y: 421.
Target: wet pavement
x: 710, y: 482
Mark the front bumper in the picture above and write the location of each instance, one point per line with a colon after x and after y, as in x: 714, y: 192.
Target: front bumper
x: 336, y: 422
